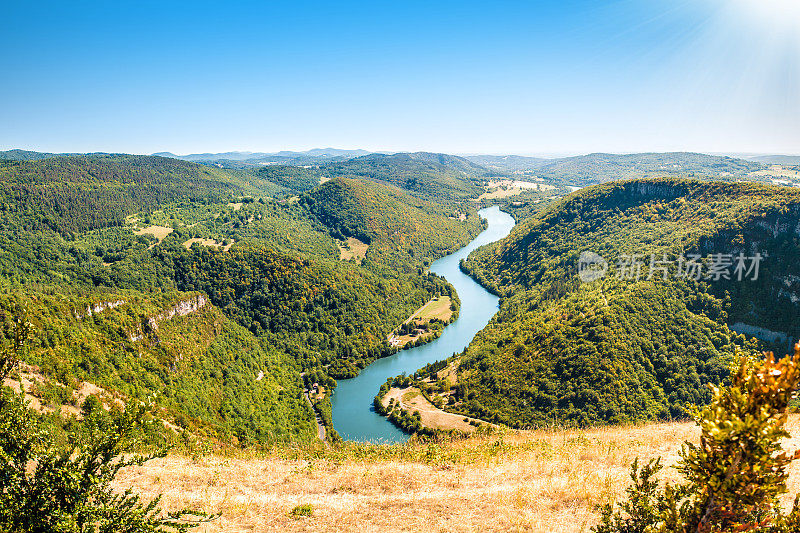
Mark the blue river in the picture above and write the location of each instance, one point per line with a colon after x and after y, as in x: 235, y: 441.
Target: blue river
x: 353, y: 414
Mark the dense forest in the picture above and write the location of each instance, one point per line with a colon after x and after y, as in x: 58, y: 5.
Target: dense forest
x: 621, y: 347
x: 202, y: 368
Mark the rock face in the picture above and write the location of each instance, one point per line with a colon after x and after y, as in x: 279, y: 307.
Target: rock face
x: 182, y: 308
x: 99, y: 307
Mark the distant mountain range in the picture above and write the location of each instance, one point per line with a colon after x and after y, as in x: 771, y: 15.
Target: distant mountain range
x: 284, y: 157
x: 418, y: 171
x: 789, y: 160
x: 577, y: 170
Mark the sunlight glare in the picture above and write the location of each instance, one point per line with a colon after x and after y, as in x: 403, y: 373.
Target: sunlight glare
x: 778, y: 15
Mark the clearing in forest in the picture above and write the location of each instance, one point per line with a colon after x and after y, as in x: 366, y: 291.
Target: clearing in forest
x: 159, y: 232
x: 208, y: 242
x: 352, y: 248
x: 411, y: 400
x: 417, y: 325
x: 506, y: 188
x: 436, y: 308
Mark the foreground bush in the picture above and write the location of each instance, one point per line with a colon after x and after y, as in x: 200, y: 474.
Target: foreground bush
x: 734, y: 478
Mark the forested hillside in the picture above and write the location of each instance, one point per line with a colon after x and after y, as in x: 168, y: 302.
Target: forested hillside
x: 209, y: 375
x: 25, y: 155
x: 79, y: 193
x: 279, y: 294
x: 428, y: 175
x: 394, y: 223
x: 596, y: 168
x: 630, y: 345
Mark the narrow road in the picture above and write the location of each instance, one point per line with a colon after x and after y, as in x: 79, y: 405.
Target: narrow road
x: 320, y: 425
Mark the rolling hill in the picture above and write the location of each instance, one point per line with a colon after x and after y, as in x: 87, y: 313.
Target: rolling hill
x: 508, y: 163
x: 427, y: 175
x: 391, y: 220
x: 315, y: 156
x: 599, y: 168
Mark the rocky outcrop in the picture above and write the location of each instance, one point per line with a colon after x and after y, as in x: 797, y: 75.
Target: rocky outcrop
x: 98, y: 307
x: 182, y: 308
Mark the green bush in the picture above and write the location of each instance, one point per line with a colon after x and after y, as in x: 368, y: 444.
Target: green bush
x: 301, y: 511
x: 734, y: 477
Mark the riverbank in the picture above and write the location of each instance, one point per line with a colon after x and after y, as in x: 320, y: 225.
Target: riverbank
x: 412, y: 400
x: 426, y: 323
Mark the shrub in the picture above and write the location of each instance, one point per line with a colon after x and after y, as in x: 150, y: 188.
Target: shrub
x: 734, y: 477
x: 301, y: 511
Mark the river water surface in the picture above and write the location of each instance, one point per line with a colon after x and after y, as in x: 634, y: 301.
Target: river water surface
x: 353, y: 414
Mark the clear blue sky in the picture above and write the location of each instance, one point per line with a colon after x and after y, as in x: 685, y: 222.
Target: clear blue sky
x: 565, y: 76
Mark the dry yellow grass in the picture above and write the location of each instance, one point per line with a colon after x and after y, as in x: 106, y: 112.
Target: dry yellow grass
x: 208, y: 242
x: 352, y: 248
x: 540, y: 481
x: 432, y: 417
x: 435, y: 308
x: 438, y: 308
x: 500, y: 193
x: 506, y: 188
x: 159, y: 232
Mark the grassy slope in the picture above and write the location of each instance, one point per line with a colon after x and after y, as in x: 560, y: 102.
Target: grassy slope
x: 545, y: 481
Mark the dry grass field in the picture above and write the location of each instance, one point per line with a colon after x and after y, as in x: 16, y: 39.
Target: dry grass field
x: 540, y: 481
x: 352, y: 248
x: 500, y: 193
x: 438, y: 308
x: 159, y: 232
x: 412, y: 400
x: 435, y: 308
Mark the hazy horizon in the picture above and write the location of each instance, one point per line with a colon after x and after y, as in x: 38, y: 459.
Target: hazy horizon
x: 543, y: 155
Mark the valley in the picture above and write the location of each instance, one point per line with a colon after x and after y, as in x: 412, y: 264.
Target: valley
x: 264, y: 307
x: 400, y: 267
